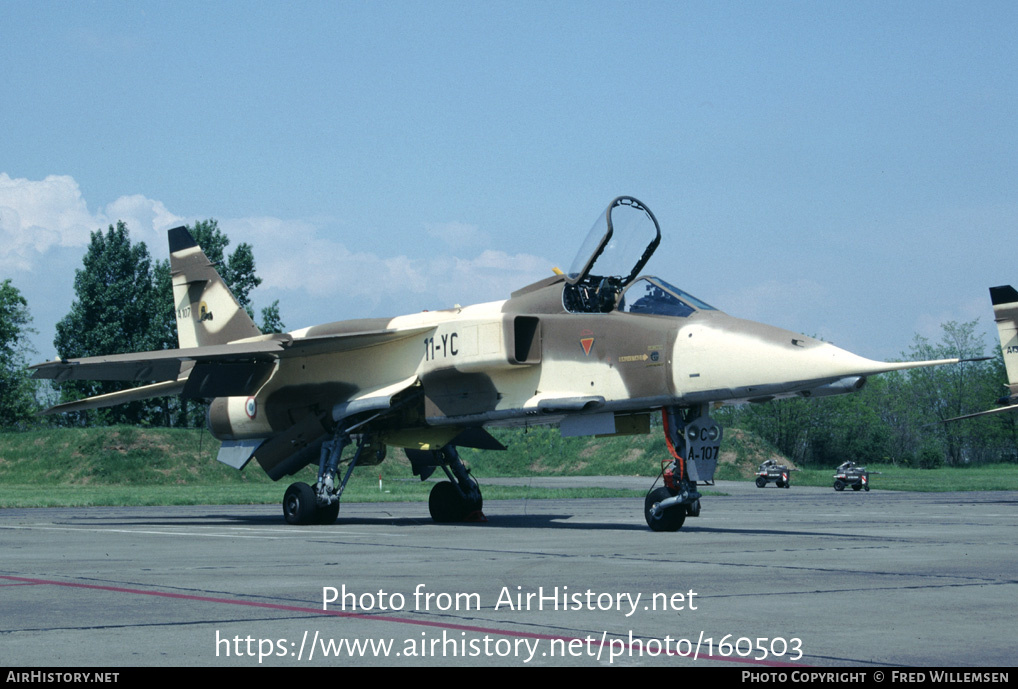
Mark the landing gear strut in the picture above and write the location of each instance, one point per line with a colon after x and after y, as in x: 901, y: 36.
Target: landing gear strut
x: 459, y: 498
x: 303, y: 504
x: 693, y: 439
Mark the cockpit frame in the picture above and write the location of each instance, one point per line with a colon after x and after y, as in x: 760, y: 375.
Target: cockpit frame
x: 608, y: 249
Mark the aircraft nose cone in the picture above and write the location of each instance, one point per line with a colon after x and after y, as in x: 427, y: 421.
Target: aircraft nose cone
x: 729, y: 358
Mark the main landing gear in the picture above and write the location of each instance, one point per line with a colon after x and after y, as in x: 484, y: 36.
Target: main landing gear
x: 456, y: 500
x: 300, y: 506
x: 693, y: 439
x: 303, y: 504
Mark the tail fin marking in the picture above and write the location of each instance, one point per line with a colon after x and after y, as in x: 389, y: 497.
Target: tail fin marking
x: 207, y: 312
x: 1005, y: 313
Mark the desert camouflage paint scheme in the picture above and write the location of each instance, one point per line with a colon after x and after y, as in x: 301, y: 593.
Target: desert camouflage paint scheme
x: 595, y: 350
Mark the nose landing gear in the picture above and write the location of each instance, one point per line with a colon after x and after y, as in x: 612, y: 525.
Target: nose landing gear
x: 693, y: 439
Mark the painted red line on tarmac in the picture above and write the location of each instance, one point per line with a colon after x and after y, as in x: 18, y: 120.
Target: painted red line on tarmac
x: 377, y: 618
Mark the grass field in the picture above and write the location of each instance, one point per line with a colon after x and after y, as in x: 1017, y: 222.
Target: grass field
x: 985, y: 477
x: 133, y: 466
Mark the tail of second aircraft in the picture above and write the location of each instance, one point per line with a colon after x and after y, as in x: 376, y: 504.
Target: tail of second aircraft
x: 207, y: 312
x: 1005, y: 313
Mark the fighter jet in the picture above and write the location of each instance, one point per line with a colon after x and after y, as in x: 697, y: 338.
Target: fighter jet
x: 1005, y: 313
x: 595, y: 350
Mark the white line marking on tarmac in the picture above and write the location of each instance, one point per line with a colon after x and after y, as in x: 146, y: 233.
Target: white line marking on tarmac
x: 293, y: 534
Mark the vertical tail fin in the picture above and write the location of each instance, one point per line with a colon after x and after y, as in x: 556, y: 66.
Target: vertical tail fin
x: 1005, y: 312
x: 207, y: 312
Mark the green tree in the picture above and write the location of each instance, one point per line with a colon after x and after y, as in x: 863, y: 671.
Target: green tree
x: 944, y: 392
x: 271, y: 320
x: 17, y: 389
x: 163, y: 331
x: 890, y: 395
x: 848, y: 428
x: 112, y: 314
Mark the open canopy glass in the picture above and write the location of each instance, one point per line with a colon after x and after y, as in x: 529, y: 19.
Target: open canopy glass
x: 616, y: 249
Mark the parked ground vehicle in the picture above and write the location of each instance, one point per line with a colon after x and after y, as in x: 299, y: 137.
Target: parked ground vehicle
x: 851, y: 474
x: 770, y: 470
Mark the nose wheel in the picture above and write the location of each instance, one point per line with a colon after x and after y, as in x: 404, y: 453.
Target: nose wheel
x: 663, y: 519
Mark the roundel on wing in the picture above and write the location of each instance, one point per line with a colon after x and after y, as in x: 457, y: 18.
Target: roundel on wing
x: 251, y: 407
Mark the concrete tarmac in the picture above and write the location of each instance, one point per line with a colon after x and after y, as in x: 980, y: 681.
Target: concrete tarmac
x: 796, y: 577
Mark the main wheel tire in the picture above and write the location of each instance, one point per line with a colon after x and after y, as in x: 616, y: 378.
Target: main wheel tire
x: 669, y: 520
x: 761, y: 482
x: 327, y: 515
x: 299, y: 504
x: 780, y: 484
x: 856, y: 486
x: 839, y: 485
x: 446, y: 504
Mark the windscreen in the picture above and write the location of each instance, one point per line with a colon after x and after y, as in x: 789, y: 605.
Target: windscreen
x: 655, y: 297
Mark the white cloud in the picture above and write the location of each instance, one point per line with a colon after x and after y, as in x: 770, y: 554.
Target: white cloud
x: 293, y: 256
x: 39, y: 215
x: 315, y: 276
x: 146, y: 219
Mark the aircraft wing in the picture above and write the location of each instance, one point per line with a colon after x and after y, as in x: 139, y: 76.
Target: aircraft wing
x: 234, y: 369
x: 327, y: 344
x: 165, y: 364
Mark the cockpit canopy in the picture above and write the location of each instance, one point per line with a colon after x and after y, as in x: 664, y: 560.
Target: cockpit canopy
x: 602, y: 277
x: 616, y: 249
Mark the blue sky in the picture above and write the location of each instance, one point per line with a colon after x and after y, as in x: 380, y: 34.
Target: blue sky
x: 846, y: 170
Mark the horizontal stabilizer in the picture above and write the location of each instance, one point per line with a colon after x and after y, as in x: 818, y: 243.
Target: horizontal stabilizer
x: 999, y: 410
x: 163, y: 364
x: 170, y: 387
